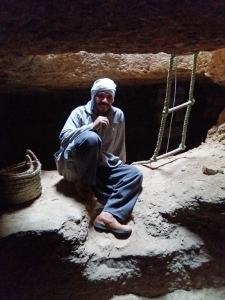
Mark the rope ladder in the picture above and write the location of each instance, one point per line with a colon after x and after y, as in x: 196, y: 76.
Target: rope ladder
x: 166, y: 111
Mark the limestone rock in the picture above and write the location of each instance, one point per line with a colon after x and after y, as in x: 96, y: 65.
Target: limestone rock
x: 215, y: 67
x: 79, y: 70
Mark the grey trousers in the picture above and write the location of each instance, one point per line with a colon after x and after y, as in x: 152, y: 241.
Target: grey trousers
x: 118, y: 186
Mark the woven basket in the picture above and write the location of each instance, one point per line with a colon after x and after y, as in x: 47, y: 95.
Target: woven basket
x: 21, y: 182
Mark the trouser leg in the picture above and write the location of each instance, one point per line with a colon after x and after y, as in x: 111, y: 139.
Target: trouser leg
x: 122, y: 185
x: 81, y: 157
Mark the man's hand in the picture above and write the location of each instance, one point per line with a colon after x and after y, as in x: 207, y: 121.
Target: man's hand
x: 99, y: 122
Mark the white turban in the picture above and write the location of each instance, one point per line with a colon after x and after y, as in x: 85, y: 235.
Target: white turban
x: 103, y: 84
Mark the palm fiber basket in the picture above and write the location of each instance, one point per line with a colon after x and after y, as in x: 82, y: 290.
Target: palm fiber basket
x: 21, y: 182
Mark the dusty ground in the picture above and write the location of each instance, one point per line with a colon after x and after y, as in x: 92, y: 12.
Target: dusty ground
x: 177, y: 240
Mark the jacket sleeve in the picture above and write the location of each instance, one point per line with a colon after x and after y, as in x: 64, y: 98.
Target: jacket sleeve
x: 73, y: 127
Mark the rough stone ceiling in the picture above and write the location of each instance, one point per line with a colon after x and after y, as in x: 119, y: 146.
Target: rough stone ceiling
x: 58, y: 45
x: 30, y: 27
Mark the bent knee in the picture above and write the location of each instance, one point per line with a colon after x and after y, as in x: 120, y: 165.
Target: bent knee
x: 91, y: 138
x: 139, y: 174
x: 136, y: 173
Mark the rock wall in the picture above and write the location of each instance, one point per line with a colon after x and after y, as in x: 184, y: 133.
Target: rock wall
x: 65, y: 72
x: 215, y: 67
x: 79, y: 70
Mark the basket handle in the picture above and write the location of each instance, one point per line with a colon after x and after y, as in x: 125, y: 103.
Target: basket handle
x: 31, y: 156
x: 28, y: 160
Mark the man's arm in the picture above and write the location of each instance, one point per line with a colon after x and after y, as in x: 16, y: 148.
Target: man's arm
x: 74, y: 126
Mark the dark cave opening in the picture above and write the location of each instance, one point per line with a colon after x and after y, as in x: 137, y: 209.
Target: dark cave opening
x: 34, y: 121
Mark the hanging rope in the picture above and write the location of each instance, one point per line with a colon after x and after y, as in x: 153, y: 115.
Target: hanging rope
x: 174, y: 101
x: 165, y: 108
x: 191, y: 91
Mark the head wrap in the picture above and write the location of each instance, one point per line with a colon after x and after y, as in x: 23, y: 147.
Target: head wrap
x: 103, y: 84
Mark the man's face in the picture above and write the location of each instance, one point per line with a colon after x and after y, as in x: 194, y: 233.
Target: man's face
x: 102, y: 102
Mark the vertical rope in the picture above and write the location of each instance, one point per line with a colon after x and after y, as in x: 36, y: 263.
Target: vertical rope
x: 191, y: 90
x: 165, y: 108
x: 174, y: 100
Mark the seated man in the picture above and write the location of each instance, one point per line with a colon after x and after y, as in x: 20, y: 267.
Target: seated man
x: 92, y: 154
